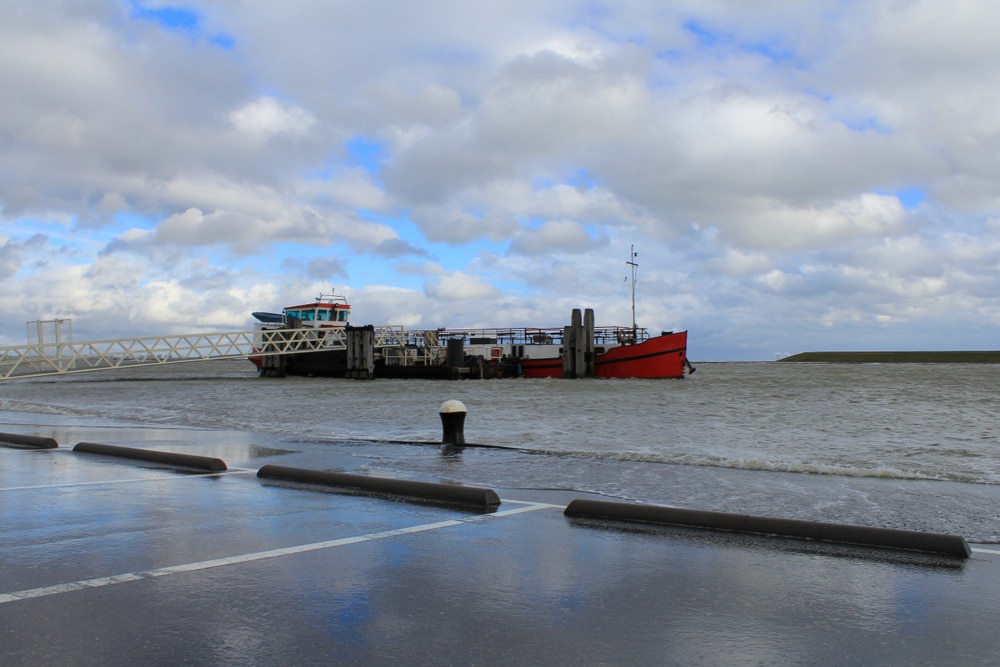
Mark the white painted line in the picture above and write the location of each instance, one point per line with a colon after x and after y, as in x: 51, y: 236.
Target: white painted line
x: 260, y: 555
x: 70, y: 485
x: 985, y: 551
x: 534, y: 504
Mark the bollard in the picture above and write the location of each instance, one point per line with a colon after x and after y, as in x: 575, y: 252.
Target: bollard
x: 887, y: 538
x: 446, y: 493
x: 172, y: 458
x: 28, y: 441
x: 453, y: 422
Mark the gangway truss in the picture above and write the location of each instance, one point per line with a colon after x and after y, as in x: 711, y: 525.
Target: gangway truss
x: 23, y: 361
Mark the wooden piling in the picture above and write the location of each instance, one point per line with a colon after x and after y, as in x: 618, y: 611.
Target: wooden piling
x: 578, y: 346
x: 588, y: 338
x: 568, y: 356
x: 273, y: 365
x: 360, y: 352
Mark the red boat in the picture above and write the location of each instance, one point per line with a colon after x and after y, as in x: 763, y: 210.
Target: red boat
x: 611, y: 352
x: 663, y: 356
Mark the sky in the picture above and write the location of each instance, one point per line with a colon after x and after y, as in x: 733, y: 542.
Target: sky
x: 793, y: 175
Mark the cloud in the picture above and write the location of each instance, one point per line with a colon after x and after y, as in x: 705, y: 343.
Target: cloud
x: 770, y: 224
x: 457, y: 225
x: 457, y: 287
x: 397, y: 248
x: 232, y: 156
x: 10, y: 258
x: 551, y: 237
x: 739, y: 263
x: 323, y: 268
x: 245, y: 233
x: 542, y: 107
x: 266, y: 116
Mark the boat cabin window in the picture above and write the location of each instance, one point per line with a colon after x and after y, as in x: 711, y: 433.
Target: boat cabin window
x: 319, y: 314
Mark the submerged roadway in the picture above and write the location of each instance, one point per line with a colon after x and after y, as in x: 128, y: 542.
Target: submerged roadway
x: 114, y: 561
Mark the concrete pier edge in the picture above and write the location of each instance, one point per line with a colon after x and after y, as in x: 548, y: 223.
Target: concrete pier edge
x: 32, y: 441
x: 172, y: 458
x: 889, y: 538
x: 455, y: 493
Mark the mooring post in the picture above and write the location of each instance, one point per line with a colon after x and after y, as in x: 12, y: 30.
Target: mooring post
x: 453, y: 422
x: 361, y: 352
x: 588, y: 338
x: 580, y: 347
x: 273, y: 365
x: 568, y: 345
x: 574, y: 347
x: 455, y: 355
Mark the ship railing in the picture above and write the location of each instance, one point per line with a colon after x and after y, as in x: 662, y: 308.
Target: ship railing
x: 615, y: 335
x: 291, y: 340
x: 401, y: 355
x: 399, y: 346
x: 392, y: 336
x: 400, y: 336
x: 268, y: 341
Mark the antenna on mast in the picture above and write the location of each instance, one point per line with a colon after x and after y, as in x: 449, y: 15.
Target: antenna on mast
x: 635, y: 267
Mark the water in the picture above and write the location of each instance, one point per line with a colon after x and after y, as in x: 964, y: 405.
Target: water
x: 901, y: 445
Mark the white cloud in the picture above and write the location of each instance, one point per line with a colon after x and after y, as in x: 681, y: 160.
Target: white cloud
x: 458, y: 287
x: 266, y: 116
x: 774, y: 224
x: 752, y: 151
x: 738, y: 263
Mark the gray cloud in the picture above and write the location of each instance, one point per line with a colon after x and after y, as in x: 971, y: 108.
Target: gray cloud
x: 322, y: 269
x: 753, y: 151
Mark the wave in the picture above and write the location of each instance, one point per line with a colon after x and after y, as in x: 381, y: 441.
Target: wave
x: 8, y: 405
x: 679, y: 459
x: 875, y: 472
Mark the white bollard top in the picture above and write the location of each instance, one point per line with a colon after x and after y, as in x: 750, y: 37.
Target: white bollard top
x: 452, y: 406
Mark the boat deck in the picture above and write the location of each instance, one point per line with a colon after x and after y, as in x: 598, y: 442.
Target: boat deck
x: 108, y: 561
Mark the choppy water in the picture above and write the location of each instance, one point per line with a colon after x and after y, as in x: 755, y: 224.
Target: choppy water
x: 905, y: 445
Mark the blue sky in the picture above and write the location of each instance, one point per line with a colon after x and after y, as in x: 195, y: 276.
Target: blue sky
x: 795, y: 175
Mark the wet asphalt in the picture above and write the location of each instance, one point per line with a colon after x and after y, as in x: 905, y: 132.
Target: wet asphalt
x: 107, y: 561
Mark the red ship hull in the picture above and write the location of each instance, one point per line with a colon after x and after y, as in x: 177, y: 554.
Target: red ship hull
x: 664, y: 356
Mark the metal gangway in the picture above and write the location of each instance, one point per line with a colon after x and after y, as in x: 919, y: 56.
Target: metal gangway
x: 60, y: 358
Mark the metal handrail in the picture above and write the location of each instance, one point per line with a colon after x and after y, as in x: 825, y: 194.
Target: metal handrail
x: 21, y: 361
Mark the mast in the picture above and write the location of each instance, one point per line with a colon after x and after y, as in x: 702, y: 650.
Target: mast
x: 635, y: 267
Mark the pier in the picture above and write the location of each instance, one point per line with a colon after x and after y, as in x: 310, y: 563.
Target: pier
x: 397, y: 345
x: 362, y: 352
x: 60, y: 358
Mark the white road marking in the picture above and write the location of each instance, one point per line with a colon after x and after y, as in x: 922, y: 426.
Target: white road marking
x: 193, y: 475
x: 260, y: 555
x: 534, y: 504
x: 985, y: 551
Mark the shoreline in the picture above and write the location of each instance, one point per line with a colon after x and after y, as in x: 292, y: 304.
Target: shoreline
x: 795, y: 495
x: 914, y: 357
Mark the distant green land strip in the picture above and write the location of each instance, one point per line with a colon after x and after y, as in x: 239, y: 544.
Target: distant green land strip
x: 955, y: 357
